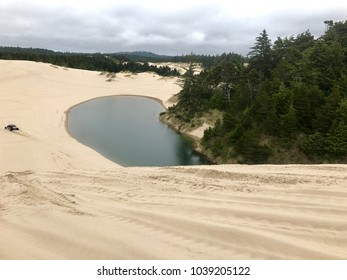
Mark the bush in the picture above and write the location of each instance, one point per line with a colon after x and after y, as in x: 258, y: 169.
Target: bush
x: 247, y: 146
x: 314, y: 145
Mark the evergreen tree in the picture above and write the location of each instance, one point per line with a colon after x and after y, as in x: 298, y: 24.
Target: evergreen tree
x: 261, y: 54
x: 302, y: 106
x: 327, y: 113
x: 337, y: 135
x: 288, y: 102
x: 289, y: 124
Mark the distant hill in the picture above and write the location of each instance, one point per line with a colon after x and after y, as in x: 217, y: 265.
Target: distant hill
x: 71, y: 59
x: 144, y: 56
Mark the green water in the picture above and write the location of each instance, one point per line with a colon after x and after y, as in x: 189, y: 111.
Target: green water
x: 127, y: 130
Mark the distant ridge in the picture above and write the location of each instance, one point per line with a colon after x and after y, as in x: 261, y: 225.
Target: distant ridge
x: 102, y: 61
x: 143, y: 55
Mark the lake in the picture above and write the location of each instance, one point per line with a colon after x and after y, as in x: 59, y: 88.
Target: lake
x: 127, y: 130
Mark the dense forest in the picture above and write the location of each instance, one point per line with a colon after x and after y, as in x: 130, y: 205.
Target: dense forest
x: 137, y: 61
x: 95, y: 62
x: 205, y: 61
x: 285, y: 103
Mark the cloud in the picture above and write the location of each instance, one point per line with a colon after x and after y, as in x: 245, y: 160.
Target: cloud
x: 203, y: 26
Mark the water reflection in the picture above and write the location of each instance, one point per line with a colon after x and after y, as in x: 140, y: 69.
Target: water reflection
x: 126, y: 129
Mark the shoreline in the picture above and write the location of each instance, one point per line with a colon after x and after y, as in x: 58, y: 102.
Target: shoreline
x: 193, y: 139
x: 51, y: 92
x: 66, y: 113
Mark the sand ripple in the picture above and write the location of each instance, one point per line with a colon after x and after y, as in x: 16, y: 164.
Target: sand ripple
x: 216, y: 212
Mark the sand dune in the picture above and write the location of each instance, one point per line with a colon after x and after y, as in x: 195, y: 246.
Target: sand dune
x: 224, y: 212
x: 62, y: 200
x: 35, y: 96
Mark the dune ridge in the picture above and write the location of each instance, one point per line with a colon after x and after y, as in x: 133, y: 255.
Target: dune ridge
x: 62, y: 200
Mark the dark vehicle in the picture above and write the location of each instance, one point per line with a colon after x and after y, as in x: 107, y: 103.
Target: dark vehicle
x: 11, y: 127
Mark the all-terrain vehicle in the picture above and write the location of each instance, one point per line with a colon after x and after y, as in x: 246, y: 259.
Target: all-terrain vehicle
x: 11, y: 127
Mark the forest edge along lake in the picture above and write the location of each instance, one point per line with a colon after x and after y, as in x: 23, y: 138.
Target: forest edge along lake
x: 126, y: 129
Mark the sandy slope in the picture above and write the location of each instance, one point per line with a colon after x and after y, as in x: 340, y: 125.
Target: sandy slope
x: 61, y: 200
x: 35, y: 96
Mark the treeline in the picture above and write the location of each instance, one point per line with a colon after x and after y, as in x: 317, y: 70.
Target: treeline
x: 115, y: 62
x: 95, y: 62
x: 144, y: 56
x: 285, y: 103
x: 206, y: 61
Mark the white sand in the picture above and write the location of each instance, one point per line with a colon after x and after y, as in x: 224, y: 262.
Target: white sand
x: 35, y: 96
x: 62, y: 200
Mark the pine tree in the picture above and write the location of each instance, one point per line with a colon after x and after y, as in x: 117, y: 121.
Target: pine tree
x: 327, y: 113
x: 261, y: 54
x: 337, y: 135
x: 289, y: 124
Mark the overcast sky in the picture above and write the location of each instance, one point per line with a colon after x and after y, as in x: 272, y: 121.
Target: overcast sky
x: 166, y: 27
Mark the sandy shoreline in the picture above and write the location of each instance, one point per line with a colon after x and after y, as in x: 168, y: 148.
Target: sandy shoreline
x: 36, y: 98
x: 62, y: 200
x: 161, y: 102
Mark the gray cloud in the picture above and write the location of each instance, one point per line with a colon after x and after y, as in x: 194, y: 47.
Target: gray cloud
x: 200, y: 28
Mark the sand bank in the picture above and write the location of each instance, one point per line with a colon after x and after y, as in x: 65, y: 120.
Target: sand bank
x: 62, y: 200
x: 35, y: 96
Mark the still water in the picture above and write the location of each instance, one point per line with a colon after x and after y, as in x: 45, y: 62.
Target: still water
x: 127, y: 130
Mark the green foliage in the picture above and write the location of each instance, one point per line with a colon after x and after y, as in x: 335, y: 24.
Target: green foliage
x: 327, y: 61
x: 302, y: 105
x: 218, y: 100
x: 327, y: 113
x: 195, y: 95
x: 314, y: 146
x: 247, y: 146
x: 95, y: 62
x: 229, y: 121
x: 282, y: 100
x: 289, y: 123
x: 287, y: 105
x: 261, y: 54
x: 337, y: 135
